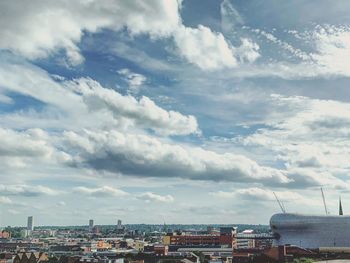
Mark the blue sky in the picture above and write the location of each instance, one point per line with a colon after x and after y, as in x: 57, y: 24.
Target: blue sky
x: 172, y: 111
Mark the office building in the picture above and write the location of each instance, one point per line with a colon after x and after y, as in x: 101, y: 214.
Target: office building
x: 91, y: 224
x: 30, y: 223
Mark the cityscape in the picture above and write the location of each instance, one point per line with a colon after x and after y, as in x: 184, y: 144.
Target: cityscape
x: 174, y: 131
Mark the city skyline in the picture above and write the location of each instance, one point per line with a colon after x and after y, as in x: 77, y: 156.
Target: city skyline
x: 172, y: 111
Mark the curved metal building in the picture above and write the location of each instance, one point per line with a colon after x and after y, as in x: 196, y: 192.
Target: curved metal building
x: 309, y: 231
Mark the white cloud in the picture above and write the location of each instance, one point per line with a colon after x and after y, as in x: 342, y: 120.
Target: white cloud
x: 210, y: 51
x: 27, y: 190
x: 25, y: 149
x: 310, y: 136
x: 103, y: 191
x: 134, y: 80
x: 152, y: 197
x: 37, y: 30
x: 332, y: 49
x: 5, y: 200
x: 85, y: 103
x: 144, y: 113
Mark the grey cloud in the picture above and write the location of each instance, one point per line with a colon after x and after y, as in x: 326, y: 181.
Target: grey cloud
x: 142, y: 155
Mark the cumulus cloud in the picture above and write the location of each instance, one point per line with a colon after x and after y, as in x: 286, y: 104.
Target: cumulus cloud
x: 27, y: 190
x: 143, y: 112
x: 18, y: 149
x: 144, y: 155
x: 39, y: 30
x: 86, y: 102
x: 152, y: 197
x: 210, y: 50
x: 104, y: 191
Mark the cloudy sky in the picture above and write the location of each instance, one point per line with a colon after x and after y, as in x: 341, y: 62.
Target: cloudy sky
x: 172, y: 111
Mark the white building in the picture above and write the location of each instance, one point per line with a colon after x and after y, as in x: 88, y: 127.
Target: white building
x: 245, y: 239
x: 310, y: 231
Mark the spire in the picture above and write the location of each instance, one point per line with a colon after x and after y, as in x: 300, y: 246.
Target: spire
x: 340, y: 207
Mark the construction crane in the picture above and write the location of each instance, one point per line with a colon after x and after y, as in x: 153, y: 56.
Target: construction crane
x: 324, y: 202
x: 280, y: 203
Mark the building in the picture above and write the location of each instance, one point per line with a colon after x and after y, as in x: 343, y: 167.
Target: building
x: 30, y: 223
x: 140, y: 245
x: 119, y: 225
x: 245, y: 239
x: 228, y: 236
x: 161, y: 250
x: 225, y: 238
x: 33, y: 257
x: 310, y: 231
x: 91, y: 224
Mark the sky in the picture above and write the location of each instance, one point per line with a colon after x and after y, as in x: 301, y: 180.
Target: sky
x: 191, y: 111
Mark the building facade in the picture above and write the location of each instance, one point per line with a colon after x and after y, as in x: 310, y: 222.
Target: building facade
x: 310, y: 231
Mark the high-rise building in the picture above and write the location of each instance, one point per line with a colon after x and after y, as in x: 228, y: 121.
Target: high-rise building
x: 30, y: 223
x: 119, y: 225
x: 91, y: 224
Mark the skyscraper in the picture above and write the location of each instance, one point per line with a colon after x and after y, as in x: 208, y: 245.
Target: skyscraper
x: 91, y: 224
x: 119, y: 225
x: 30, y: 223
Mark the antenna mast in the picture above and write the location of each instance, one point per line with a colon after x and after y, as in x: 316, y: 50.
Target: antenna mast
x: 279, y: 203
x: 324, y: 202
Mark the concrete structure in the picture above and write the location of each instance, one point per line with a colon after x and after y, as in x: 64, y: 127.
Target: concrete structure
x: 91, y: 224
x: 30, y: 223
x: 243, y: 242
x: 310, y: 231
x: 119, y: 224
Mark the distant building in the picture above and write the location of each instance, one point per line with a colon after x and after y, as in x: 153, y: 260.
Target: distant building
x: 30, y: 223
x: 225, y: 238
x: 161, y: 250
x: 140, y: 245
x: 91, y: 224
x: 119, y: 224
x: 245, y: 239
